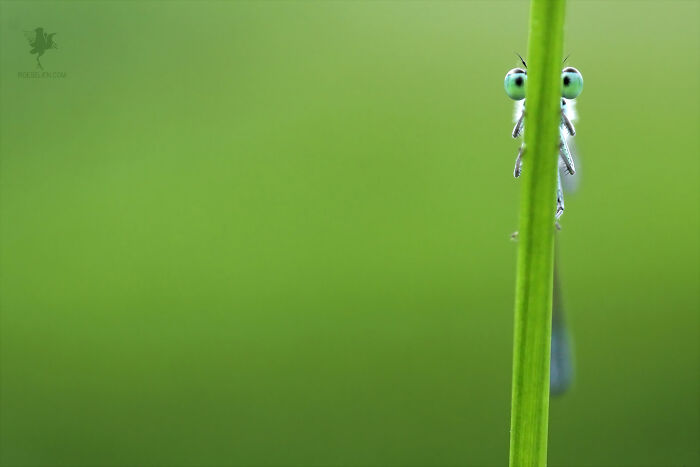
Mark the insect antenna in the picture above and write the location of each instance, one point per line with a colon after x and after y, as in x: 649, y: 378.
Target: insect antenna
x: 521, y: 59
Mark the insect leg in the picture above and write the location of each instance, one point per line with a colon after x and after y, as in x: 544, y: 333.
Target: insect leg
x: 566, y: 156
x: 560, y: 198
x: 567, y: 123
x: 518, y: 128
x: 519, y: 161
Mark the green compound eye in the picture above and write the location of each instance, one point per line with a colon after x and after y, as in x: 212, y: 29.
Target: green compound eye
x: 515, y: 83
x: 571, y: 83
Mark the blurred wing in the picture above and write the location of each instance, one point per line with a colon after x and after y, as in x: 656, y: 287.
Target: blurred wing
x: 561, y: 372
x: 561, y: 368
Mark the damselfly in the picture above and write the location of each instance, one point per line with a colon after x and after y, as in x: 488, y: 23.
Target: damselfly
x: 561, y: 367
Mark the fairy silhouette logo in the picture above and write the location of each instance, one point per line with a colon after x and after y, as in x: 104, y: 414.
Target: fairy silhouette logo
x: 40, y: 42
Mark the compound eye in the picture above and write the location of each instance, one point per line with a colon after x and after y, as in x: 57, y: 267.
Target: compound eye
x: 515, y: 83
x: 571, y: 83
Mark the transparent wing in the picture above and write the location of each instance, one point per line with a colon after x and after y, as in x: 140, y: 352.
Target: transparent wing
x: 561, y: 368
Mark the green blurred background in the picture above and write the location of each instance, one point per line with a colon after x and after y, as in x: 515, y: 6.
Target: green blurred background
x: 277, y: 233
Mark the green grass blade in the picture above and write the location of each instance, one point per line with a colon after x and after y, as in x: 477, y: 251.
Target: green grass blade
x: 533, y: 295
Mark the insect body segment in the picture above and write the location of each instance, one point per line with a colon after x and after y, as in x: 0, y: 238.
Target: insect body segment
x: 515, y: 85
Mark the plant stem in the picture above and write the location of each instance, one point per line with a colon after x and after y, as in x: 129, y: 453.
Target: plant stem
x: 533, y: 293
